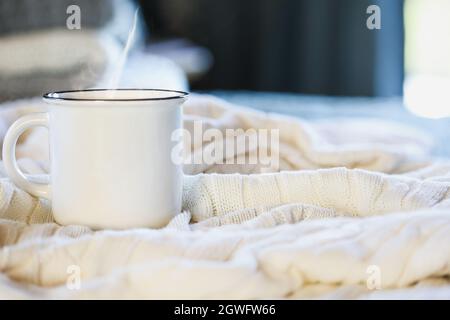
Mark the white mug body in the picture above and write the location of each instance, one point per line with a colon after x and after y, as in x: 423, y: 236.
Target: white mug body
x: 111, y: 164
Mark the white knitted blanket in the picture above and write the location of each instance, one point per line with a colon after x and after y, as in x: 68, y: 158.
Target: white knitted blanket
x: 357, y: 212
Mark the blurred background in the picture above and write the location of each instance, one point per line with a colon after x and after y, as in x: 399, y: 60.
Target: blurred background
x: 291, y: 56
x: 318, y: 47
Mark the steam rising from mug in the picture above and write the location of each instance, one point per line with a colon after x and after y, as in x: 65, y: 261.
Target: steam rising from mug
x: 117, y: 70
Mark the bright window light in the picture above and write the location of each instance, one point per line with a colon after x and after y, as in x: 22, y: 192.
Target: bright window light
x: 427, y: 58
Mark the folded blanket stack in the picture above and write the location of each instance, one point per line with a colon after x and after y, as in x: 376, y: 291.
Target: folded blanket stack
x: 349, y: 217
x: 38, y: 53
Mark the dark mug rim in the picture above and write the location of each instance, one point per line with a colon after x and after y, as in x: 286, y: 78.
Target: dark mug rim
x: 58, y: 95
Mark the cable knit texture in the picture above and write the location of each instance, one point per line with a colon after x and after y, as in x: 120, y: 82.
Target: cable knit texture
x: 334, y: 210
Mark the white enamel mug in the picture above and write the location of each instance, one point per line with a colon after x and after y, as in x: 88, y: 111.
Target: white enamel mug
x: 110, y: 154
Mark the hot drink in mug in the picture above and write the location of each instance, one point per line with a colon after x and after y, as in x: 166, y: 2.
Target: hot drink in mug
x: 110, y: 153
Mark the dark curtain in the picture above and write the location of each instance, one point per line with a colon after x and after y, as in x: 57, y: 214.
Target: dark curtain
x: 307, y: 46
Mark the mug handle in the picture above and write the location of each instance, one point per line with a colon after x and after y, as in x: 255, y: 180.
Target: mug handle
x: 9, y: 154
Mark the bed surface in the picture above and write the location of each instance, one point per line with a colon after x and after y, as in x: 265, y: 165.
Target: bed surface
x: 333, y: 211
x: 321, y: 107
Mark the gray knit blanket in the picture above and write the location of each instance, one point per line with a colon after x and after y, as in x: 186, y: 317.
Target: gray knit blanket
x: 38, y: 53
x: 30, y: 15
